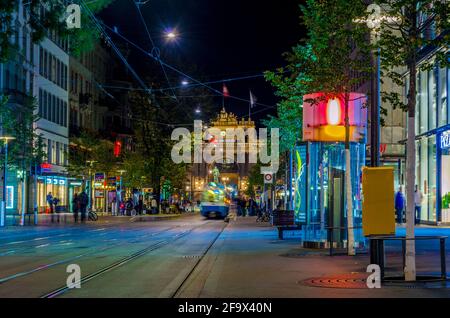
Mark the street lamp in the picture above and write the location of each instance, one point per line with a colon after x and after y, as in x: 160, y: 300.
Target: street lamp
x: 120, y: 184
x: 171, y: 35
x: 90, y: 162
x: 5, y: 173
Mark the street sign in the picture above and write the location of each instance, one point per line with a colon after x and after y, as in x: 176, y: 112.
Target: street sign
x: 99, y: 177
x: 268, y: 178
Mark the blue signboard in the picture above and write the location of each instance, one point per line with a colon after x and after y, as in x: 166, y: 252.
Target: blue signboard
x: 445, y: 140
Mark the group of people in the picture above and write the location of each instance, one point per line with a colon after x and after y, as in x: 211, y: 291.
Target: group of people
x: 79, y: 204
x: 53, y: 204
x: 130, y: 207
x: 400, y: 204
x: 176, y: 206
x: 246, y: 207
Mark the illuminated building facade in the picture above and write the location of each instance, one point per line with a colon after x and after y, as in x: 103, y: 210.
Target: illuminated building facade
x: 231, y: 172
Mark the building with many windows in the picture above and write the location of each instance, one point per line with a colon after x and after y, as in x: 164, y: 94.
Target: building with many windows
x: 432, y: 146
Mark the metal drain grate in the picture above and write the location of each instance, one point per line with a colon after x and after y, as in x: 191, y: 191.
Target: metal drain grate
x: 192, y: 256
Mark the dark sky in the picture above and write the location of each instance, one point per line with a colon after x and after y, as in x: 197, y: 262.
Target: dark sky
x: 220, y: 39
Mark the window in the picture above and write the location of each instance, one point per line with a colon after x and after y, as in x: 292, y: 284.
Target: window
x: 443, y: 97
x: 49, y: 151
x: 58, y: 73
x: 65, y: 77
x: 45, y: 60
x: 66, y: 155
x: 54, y: 113
x: 423, y: 101
x: 432, y: 111
x: 58, y: 150
x: 65, y: 114
x: 44, y: 105
x: 40, y: 103
x: 41, y: 61
x: 58, y: 121
x: 53, y: 70
x: 53, y: 153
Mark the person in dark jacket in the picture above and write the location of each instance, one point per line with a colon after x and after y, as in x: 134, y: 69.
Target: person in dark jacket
x: 140, y: 205
x: 84, y: 200
x: 75, y: 207
x: 399, y: 205
x: 55, y: 206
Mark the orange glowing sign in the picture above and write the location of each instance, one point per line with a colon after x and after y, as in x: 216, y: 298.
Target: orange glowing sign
x: 324, y: 117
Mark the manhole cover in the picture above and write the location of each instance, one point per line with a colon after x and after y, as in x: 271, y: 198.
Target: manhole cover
x: 358, y: 281
x: 350, y: 281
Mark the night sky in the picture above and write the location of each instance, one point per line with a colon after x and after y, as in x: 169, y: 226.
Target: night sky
x: 219, y: 39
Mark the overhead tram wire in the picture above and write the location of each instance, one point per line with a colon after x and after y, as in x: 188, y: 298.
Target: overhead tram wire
x: 180, y: 72
x: 158, y: 52
x: 193, y: 85
x: 134, y: 118
x: 109, y: 40
x: 154, y: 48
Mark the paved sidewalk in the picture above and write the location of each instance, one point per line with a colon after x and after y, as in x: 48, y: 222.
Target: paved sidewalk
x: 249, y: 261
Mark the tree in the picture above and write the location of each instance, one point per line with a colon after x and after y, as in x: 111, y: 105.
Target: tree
x: 25, y: 151
x: 81, y: 40
x: 255, y: 180
x: 17, y: 121
x: 89, y: 153
x: 401, y: 38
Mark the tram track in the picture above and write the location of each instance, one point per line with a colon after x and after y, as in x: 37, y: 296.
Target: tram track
x: 123, y: 261
x: 197, y: 263
x: 76, y: 257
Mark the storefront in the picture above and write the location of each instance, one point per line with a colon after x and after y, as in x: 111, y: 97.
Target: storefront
x: 58, y: 187
x: 76, y: 186
x: 433, y: 144
x: 444, y: 176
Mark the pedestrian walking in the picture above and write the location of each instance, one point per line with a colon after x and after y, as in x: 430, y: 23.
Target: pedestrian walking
x: 50, y: 201
x: 55, y: 207
x: 75, y: 207
x: 140, y: 205
x: 154, y: 205
x: 129, y: 206
x: 399, y: 205
x: 418, y: 198
x: 83, y: 198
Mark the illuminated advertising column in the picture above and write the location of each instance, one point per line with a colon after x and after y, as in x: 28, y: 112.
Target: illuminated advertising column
x: 320, y: 197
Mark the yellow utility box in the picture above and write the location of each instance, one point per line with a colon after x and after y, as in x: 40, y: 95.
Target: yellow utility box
x: 378, y: 215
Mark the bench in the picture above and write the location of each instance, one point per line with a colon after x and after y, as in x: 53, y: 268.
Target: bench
x: 284, y: 220
x: 291, y: 227
x: 378, y: 255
